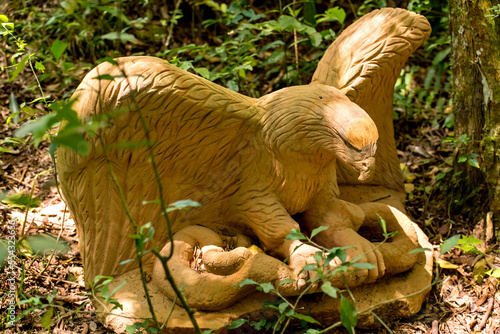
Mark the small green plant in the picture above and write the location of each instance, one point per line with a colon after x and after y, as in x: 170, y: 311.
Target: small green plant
x: 463, y: 141
x: 495, y: 12
x: 320, y: 273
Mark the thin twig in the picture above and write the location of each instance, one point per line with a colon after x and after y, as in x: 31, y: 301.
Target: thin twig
x: 171, y: 28
x: 487, y: 314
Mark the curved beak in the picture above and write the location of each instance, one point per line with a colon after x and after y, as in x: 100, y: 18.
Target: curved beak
x: 366, y: 169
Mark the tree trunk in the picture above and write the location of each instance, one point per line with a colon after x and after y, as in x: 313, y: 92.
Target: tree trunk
x: 475, y: 31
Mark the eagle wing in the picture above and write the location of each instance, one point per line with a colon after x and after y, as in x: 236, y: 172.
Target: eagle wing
x: 364, y: 62
x: 196, y: 127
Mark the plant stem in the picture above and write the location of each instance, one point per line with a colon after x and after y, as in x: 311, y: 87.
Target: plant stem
x: 178, y: 293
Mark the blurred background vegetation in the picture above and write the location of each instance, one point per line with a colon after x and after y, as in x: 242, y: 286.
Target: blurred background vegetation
x: 250, y: 46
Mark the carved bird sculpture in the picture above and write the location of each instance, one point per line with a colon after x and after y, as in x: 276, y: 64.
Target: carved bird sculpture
x: 252, y: 164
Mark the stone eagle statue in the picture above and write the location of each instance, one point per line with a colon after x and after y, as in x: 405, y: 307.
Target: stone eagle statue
x: 306, y: 156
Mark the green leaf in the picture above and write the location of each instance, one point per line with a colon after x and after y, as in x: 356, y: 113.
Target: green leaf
x: 58, y: 48
x: 364, y: 265
x: 348, y: 315
x: 275, y: 57
x: 296, y: 235
x: 449, y: 243
x: 232, y: 85
x: 265, y: 287
x: 4, y: 18
x: 21, y: 200
x: 306, y: 318
x: 494, y: 273
x: 333, y: 14
x: 73, y: 140
x: 246, y: 281
x: 204, y: 72
x: 47, y: 318
x: 287, y: 281
x: 14, y: 107
x: 315, y: 38
x: 237, y: 323
x: 383, y: 224
x: 121, y: 36
x: 19, y: 67
x: 310, y: 12
x: 473, y: 162
x: 440, y: 56
x: 38, y: 127
x: 6, y: 28
x: 41, y: 243
x: 317, y: 230
x: 329, y: 289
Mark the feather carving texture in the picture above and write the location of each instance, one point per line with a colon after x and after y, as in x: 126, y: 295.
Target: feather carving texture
x: 364, y: 63
x: 197, y: 113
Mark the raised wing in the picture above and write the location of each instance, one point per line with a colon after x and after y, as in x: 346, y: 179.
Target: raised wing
x: 364, y: 63
x: 197, y: 127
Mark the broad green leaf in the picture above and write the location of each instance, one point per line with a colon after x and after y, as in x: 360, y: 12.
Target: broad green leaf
x: 287, y: 281
x: 41, y: 243
x: 310, y: 12
x: 38, y: 127
x: 204, y: 72
x: 494, y: 273
x: 74, y: 141
x: 121, y: 36
x: 348, y: 315
x: 265, y: 287
x: 58, y: 48
x: 315, y: 38
x: 232, y: 85
x: 333, y: 14
x: 246, y: 281
x: 473, y: 162
x: 47, y: 318
x: 329, y: 289
x: 306, y: 318
x: 275, y: 57
x: 317, y: 230
x: 462, y: 158
x: 296, y: 235
x: 449, y: 243
x: 364, y: 265
x: 237, y: 323
x: 21, y: 200
x: 440, y: 56
x: 19, y: 68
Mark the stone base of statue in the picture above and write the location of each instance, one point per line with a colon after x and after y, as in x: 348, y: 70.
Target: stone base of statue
x: 397, y: 297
